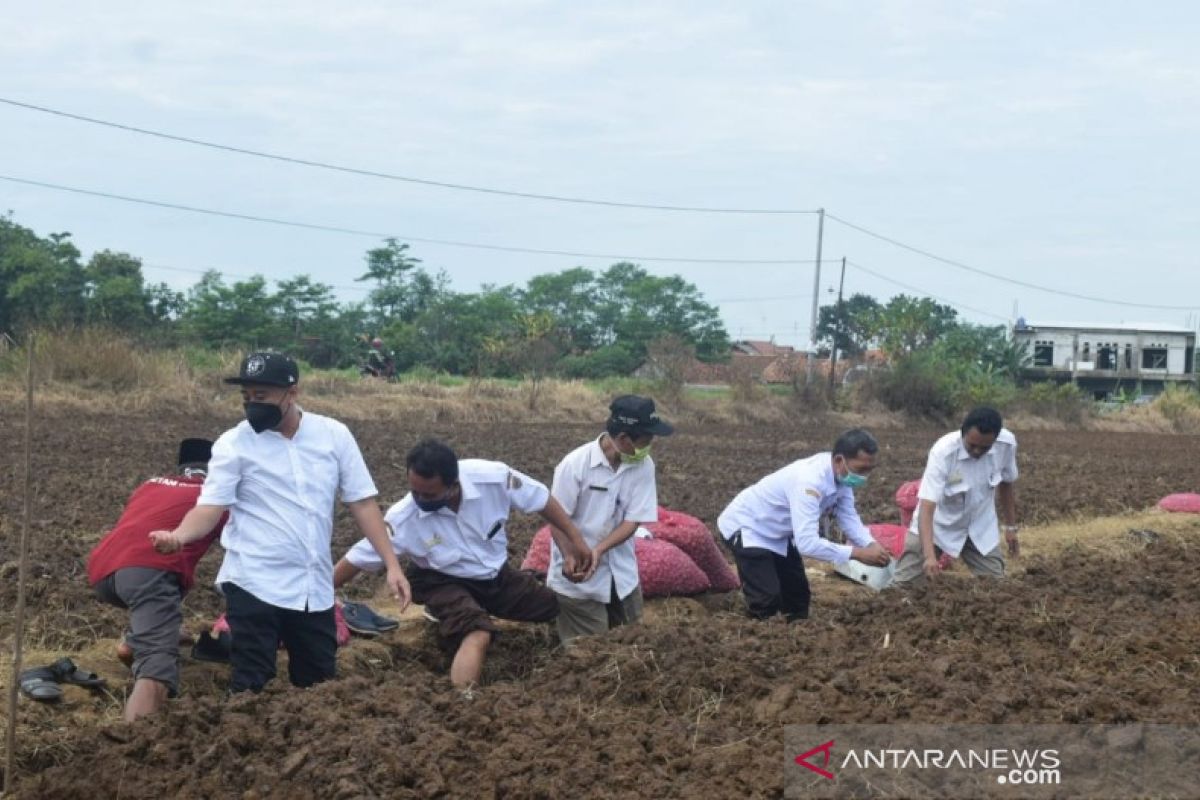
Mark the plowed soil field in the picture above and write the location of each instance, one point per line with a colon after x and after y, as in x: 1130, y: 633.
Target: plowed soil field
x: 691, y: 704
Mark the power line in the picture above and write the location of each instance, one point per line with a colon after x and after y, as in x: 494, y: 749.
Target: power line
x: 1015, y: 281
x: 921, y: 291
x: 392, y: 176
x: 385, y: 235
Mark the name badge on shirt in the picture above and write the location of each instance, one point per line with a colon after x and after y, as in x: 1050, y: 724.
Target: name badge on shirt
x: 955, y: 477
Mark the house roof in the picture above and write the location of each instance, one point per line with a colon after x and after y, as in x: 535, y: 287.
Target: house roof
x: 1123, y: 327
x: 761, y: 347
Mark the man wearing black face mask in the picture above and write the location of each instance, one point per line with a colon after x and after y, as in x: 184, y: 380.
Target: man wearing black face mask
x: 278, y: 473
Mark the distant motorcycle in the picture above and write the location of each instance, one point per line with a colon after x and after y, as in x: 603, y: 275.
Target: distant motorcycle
x: 378, y: 366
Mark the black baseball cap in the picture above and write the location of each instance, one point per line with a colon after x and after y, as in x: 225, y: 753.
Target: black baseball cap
x: 637, y: 414
x: 195, y: 451
x: 269, y: 369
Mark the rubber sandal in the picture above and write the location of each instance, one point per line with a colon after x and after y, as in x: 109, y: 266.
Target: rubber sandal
x: 67, y: 672
x: 381, y: 623
x: 358, y: 621
x: 41, y: 684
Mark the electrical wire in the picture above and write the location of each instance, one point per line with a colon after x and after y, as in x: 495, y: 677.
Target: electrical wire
x: 463, y: 187
x: 1014, y: 281
x: 385, y: 235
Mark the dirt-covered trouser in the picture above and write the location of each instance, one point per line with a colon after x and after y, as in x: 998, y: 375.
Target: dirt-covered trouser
x: 257, y: 628
x: 772, y: 584
x: 154, y: 599
x: 463, y: 605
x: 910, y: 569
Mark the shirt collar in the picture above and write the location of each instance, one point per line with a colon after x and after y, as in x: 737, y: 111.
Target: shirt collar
x: 469, y: 490
x: 599, y: 459
x: 962, y: 449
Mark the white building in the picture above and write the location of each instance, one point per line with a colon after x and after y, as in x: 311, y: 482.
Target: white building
x: 1105, y: 358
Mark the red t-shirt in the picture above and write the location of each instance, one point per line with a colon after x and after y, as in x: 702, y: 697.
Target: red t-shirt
x: 159, y: 504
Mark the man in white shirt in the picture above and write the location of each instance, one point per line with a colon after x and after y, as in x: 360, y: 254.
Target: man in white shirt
x: 608, y: 488
x: 776, y: 523
x: 966, y: 472
x: 279, y: 473
x: 452, y: 528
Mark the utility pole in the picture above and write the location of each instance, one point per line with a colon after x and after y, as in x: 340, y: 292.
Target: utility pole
x: 812, y: 328
x: 840, y: 316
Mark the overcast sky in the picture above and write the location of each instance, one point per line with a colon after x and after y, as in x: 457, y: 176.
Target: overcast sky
x: 1052, y: 142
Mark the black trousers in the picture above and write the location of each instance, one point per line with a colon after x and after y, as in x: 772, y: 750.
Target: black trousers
x: 772, y: 584
x: 257, y: 628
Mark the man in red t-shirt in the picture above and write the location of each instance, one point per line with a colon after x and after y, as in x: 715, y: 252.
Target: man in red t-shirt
x: 126, y: 571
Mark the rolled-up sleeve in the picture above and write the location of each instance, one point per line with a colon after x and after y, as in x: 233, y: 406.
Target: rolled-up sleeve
x: 804, y: 503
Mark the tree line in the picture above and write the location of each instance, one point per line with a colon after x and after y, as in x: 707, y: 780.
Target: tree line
x: 574, y: 323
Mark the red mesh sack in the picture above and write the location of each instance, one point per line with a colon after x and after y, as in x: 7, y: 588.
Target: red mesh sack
x: 537, y: 557
x: 890, y: 536
x: 692, y: 536
x: 906, y: 501
x: 1184, y: 503
x: 665, y: 570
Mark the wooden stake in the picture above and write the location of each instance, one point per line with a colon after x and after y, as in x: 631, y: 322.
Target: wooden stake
x: 10, y: 746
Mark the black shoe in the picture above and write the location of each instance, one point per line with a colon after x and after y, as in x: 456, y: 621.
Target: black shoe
x: 361, y: 619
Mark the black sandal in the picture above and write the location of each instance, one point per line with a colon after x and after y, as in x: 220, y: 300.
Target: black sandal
x: 67, y: 672
x: 41, y: 684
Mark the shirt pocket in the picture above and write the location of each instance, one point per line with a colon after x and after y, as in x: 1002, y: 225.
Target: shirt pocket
x: 995, y: 479
x: 955, y: 494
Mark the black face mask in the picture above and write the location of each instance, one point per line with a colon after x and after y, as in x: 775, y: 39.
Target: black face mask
x: 429, y: 506
x: 263, y: 416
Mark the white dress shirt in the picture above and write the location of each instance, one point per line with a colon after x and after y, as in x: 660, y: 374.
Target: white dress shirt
x: 789, y: 503
x: 964, y: 490
x: 280, y: 493
x: 470, y: 543
x: 598, y: 499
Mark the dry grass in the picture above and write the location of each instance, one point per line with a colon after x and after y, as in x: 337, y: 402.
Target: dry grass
x: 98, y: 370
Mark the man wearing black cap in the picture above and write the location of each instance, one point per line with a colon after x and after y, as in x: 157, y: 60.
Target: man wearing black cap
x: 280, y: 472
x: 608, y: 489
x: 126, y: 571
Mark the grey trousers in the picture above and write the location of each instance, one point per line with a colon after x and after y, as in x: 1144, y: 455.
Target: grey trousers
x: 910, y: 569
x: 578, y: 617
x: 154, y: 599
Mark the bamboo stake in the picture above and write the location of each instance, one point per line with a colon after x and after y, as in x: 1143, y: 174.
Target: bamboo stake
x: 10, y: 746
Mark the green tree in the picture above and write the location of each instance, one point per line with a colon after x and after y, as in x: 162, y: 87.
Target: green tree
x: 402, y: 288
x: 849, y: 326
x: 116, y: 292
x: 635, y: 307
x: 569, y: 296
x: 239, y: 315
x: 41, y: 280
x: 907, y: 324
